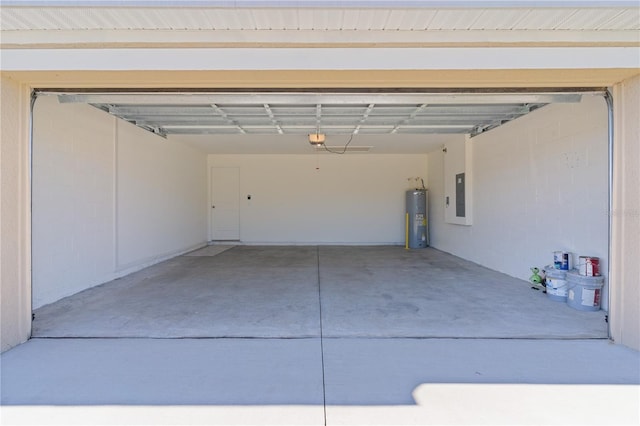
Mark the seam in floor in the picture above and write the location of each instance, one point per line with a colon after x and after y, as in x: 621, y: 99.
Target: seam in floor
x: 412, y: 313
x: 311, y: 338
x: 324, y: 394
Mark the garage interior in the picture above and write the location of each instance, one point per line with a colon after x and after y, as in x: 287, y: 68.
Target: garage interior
x: 307, y: 240
x: 107, y: 225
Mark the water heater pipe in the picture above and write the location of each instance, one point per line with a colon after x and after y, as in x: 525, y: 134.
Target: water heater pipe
x: 406, y: 232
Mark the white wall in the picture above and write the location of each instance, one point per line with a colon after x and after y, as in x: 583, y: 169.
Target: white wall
x: 108, y: 198
x: 15, y: 242
x: 349, y: 199
x: 625, y: 250
x: 73, y: 218
x: 539, y: 185
x: 458, y: 158
x: 161, y: 197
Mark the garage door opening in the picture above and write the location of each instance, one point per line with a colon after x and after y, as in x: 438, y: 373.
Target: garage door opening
x: 126, y: 180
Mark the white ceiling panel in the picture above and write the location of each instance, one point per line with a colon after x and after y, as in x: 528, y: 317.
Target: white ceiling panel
x: 286, y: 19
x: 587, y: 18
x: 178, y: 19
x: 320, y: 19
x: 337, y: 18
x: 216, y: 19
x: 113, y: 19
x: 454, y: 19
x: 395, y: 19
x: 349, y: 19
x: 545, y: 19
x: 12, y: 21
x: 373, y: 19
x: 237, y: 19
x: 305, y: 19
x: 42, y: 20
x: 199, y: 21
x: 113, y: 26
x: 627, y: 19
x: 94, y: 19
x: 498, y: 19
x: 418, y: 20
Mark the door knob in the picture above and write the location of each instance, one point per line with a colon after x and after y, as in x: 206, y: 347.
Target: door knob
x: 213, y: 207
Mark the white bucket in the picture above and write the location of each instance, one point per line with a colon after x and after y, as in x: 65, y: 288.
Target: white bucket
x: 585, y: 293
x: 556, y: 284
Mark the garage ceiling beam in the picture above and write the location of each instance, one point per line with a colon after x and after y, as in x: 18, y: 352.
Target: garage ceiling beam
x: 256, y: 98
x: 413, y: 115
x: 293, y: 112
x: 226, y: 117
x: 233, y: 4
x: 273, y: 119
x: 229, y: 130
x: 363, y: 120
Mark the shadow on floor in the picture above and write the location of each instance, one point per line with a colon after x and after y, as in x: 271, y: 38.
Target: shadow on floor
x: 293, y: 371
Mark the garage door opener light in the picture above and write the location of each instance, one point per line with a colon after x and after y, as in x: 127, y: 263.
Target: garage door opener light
x: 316, y: 139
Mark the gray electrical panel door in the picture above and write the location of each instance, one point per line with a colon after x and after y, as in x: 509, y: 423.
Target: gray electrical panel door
x: 460, y: 207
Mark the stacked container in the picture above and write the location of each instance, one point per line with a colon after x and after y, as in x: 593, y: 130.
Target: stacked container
x: 585, y: 285
x: 580, y: 288
x: 556, y: 281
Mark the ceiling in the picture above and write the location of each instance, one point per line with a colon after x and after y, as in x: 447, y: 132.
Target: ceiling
x: 113, y: 23
x: 319, y: 118
x: 331, y: 113
x: 295, y: 16
x: 224, y: 122
x: 381, y: 121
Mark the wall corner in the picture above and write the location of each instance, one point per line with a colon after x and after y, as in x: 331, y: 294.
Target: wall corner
x: 15, y: 214
x: 624, y: 316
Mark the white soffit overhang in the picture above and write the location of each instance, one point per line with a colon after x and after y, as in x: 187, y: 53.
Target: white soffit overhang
x: 328, y: 112
x: 115, y: 23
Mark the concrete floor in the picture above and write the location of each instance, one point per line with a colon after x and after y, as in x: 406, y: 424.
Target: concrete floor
x: 355, y: 381
x: 303, y: 291
x: 334, y: 350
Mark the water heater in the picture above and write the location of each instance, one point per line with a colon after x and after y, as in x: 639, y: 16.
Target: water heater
x: 418, y: 231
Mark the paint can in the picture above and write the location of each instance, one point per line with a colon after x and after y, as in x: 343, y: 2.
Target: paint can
x: 562, y: 260
x: 556, y: 282
x: 585, y: 293
x: 589, y: 266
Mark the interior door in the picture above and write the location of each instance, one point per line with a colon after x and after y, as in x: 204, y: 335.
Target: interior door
x: 225, y: 203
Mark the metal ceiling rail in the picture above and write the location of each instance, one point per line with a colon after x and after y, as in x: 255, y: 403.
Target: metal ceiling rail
x: 255, y: 98
x: 329, y: 4
x: 330, y: 112
x: 265, y: 118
